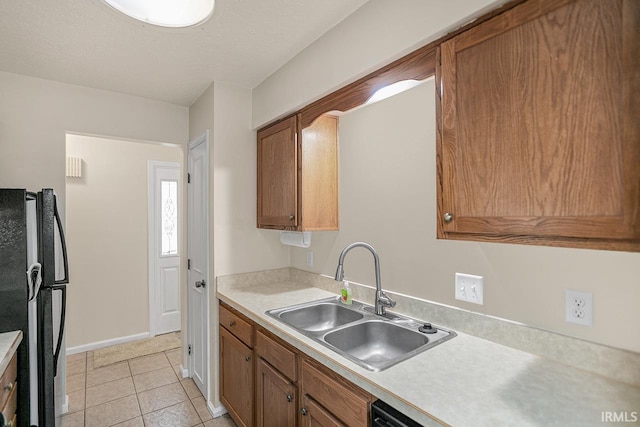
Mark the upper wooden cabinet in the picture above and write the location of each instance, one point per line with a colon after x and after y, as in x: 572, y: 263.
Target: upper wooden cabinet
x: 298, y: 175
x: 539, y: 126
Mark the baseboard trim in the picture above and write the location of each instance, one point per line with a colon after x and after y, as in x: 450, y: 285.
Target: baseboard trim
x: 216, y: 411
x: 184, y: 371
x: 106, y: 343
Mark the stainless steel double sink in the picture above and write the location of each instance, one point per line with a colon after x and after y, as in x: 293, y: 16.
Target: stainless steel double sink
x: 354, y: 331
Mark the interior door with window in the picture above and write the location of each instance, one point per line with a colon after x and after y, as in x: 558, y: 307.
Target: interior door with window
x: 164, y: 286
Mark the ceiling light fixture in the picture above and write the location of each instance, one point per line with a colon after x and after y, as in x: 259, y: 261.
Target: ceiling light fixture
x: 166, y: 13
x: 393, y: 89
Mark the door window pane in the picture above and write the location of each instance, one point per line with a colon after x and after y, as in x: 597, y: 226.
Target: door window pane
x: 169, y: 196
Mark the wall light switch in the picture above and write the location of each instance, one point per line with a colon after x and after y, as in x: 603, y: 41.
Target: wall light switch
x: 309, y: 258
x: 470, y: 288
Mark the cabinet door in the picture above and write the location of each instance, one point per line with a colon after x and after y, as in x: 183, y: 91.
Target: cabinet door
x: 275, y: 397
x: 314, y: 415
x: 236, y: 378
x: 277, y: 177
x: 539, y: 136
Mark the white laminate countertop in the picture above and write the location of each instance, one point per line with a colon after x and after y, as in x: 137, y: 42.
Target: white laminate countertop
x: 9, y: 342
x: 466, y: 381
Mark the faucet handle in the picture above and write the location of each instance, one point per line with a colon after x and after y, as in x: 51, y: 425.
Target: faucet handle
x: 385, y: 300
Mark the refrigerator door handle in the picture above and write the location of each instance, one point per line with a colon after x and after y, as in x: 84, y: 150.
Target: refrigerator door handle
x: 56, y: 354
x: 65, y: 280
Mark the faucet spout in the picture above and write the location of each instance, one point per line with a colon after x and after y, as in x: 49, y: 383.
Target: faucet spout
x: 381, y: 300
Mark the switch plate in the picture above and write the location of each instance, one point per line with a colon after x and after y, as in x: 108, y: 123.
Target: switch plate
x: 310, y: 258
x: 578, y: 307
x: 470, y: 288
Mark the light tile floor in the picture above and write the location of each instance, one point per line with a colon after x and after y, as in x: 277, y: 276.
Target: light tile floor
x: 145, y: 391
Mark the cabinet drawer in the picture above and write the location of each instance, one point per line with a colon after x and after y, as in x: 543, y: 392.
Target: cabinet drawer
x: 9, y: 408
x: 239, y: 327
x: 8, y: 381
x: 278, y: 356
x: 344, y: 402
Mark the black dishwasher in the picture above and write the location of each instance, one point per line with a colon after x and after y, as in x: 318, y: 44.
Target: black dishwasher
x: 383, y: 415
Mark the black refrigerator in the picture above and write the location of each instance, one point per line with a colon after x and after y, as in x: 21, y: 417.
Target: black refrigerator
x: 33, y: 278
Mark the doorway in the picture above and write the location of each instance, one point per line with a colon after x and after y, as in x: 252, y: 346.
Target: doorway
x: 107, y: 239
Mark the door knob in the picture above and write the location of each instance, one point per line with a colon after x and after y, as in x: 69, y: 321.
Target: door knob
x: 447, y: 217
x: 201, y: 284
x: 247, y: 358
x: 289, y: 398
x: 303, y: 411
x: 291, y: 217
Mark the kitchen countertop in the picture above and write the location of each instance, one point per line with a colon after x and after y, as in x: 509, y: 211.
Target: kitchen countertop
x: 466, y: 381
x: 9, y: 342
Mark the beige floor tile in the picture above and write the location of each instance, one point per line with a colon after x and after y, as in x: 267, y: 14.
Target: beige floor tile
x: 76, y: 401
x: 180, y: 415
x: 76, y: 367
x: 161, y: 397
x: 191, y: 388
x: 73, y: 420
x: 154, y: 379
x: 149, y: 363
x: 201, y: 406
x: 136, y: 422
x: 76, y: 382
x: 223, y: 421
x: 174, y: 356
x: 113, y: 412
x: 77, y: 356
x: 107, y: 392
x: 108, y: 373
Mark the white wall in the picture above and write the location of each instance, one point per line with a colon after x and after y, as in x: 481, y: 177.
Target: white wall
x: 35, y: 114
x: 374, y: 35
x: 107, y: 234
x: 237, y: 246
x: 388, y: 198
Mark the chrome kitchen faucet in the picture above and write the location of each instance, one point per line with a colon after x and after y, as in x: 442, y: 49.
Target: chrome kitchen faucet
x: 381, y: 299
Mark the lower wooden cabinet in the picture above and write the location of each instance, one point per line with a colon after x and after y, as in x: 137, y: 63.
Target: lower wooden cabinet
x: 276, y: 397
x: 314, y: 415
x: 236, y: 378
x: 284, y: 387
x: 8, y: 393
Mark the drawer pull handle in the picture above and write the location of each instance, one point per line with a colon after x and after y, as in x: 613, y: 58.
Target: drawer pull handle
x: 303, y: 411
x: 247, y: 358
x: 232, y: 323
x: 289, y: 398
x: 8, y: 387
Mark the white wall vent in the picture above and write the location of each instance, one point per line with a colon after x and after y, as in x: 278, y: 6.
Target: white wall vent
x: 74, y: 167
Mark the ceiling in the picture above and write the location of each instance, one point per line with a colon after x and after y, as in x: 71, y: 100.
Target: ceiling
x: 86, y: 42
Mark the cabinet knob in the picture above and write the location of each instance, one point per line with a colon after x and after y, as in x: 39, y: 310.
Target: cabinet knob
x: 303, y: 411
x: 289, y: 398
x: 291, y: 217
x: 8, y: 387
x: 232, y: 323
x: 247, y: 358
x: 448, y: 217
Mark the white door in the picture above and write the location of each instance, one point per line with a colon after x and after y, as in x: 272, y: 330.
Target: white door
x: 164, y: 256
x: 198, y: 273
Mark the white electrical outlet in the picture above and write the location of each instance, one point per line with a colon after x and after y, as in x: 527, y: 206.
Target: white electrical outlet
x: 579, y: 307
x: 310, y: 258
x: 470, y: 288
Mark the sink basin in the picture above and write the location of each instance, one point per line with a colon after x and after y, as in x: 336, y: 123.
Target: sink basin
x: 319, y: 317
x: 376, y: 342
x: 372, y: 341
